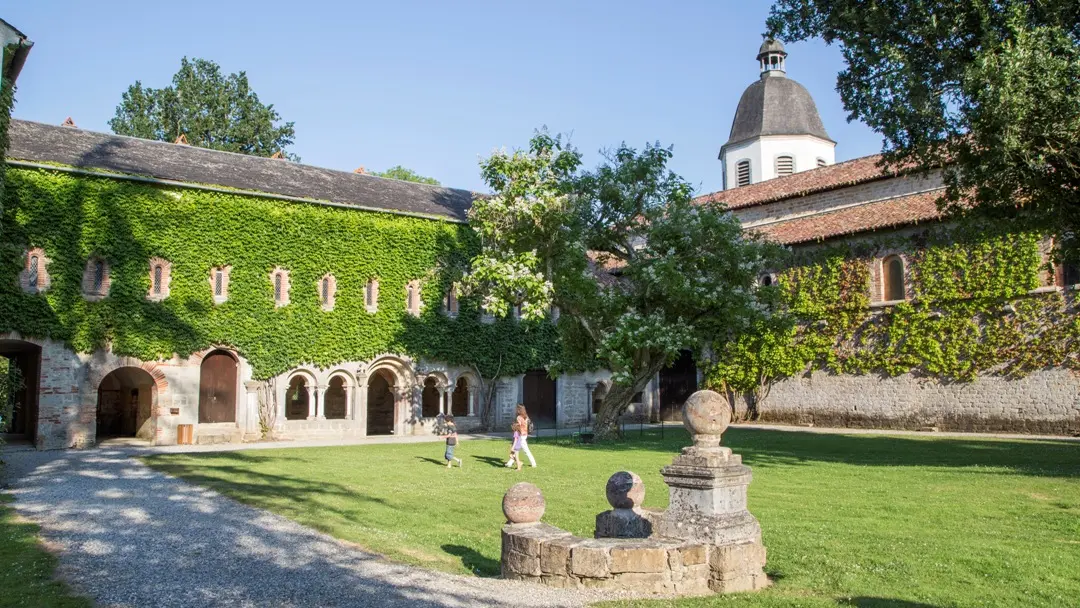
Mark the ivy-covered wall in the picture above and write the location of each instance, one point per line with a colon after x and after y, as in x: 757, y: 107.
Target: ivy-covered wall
x: 971, y: 311
x: 73, y: 217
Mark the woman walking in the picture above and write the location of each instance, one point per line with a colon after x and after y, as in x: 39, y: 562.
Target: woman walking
x: 522, y: 441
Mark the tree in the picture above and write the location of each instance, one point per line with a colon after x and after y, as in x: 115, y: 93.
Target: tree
x: 406, y: 175
x: 210, y: 110
x: 989, y: 90
x: 636, y: 270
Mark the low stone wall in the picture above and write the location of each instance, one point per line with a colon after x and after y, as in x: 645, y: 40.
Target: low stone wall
x: 1045, y: 402
x: 542, y: 553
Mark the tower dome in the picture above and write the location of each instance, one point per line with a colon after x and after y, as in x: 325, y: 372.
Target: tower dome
x: 777, y: 129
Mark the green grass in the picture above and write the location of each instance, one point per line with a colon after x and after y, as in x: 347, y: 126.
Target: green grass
x: 848, y: 520
x: 26, y: 568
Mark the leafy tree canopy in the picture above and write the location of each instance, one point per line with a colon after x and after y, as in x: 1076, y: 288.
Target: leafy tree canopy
x: 989, y: 89
x: 406, y: 175
x: 636, y: 270
x: 209, y: 109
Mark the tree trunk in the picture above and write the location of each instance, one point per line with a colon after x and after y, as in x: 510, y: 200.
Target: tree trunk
x: 618, y: 398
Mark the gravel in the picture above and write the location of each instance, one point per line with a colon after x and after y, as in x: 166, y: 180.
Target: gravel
x: 130, y: 536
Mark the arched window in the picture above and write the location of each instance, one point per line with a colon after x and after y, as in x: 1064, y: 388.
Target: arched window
x: 412, y: 298
x: 325, y: 291
x: 277, y: 287
x: 742, y: 170
x: 892, y: 278
x: 96, y: 279
x: 296, y: 399
x: 785, y: 165
x: 280, y: 278
x: 821, y: 162
x: 157, y: 280
x: 767, y: 280
x: 459, y: 401
x: 430, y: 398
x: 99, y: 275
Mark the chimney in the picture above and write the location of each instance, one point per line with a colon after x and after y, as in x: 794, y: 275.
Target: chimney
x: 68, y: 123
x: 182, y: 140
x: 360, y: 170
x: 279, y: 155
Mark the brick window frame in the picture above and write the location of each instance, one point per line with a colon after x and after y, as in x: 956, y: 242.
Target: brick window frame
x: 35, y: 280
x: 413, y: 305
x: 279, y: 284
x: 327, y: 290
x: 96, y: 279
x: 224, y: 271
x: 451, y: 305
x: 371, y: 296
x: 162, y: 267
x: 879, y: 277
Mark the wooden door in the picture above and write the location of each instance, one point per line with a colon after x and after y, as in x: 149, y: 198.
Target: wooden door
x: 380, y: 406
x: 677, y: 383
x: 539, y: 398
x: 217, y: 388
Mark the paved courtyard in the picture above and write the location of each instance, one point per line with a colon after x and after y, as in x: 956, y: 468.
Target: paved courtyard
x: 130, y: 536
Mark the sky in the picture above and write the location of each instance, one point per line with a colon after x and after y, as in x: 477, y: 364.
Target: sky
x: 435, y: 86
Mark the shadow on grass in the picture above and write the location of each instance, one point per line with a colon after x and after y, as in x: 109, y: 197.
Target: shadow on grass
x: 764, y: 448
x: 473, y: 560
x: 491, y: 460
x: 881, y: 602
x: 441, y: 463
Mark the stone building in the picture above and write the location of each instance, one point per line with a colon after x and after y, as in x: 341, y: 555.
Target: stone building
x: 886, y: 215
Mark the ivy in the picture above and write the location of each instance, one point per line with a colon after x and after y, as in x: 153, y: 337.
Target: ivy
x: 74, y: 216
x: 972, y: 312
x: 7, y: 101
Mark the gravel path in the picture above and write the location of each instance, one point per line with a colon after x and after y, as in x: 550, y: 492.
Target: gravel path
x: 130, y: 536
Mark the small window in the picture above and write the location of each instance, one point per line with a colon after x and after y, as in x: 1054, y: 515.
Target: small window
x: 766, y: 280
x: 893, y: 279
x: 277, y: 288
x: 99, y: 275
x: 32, y: 278
x: 327, y: 287
x: 95, y: 283
x: 785, y: 165
x: 325, y: 290
x: 451, y: 302
x: 280, y: 278
x: 219, y: 282
x: 743, y: 172
x: 371, y: 295
x: 412, y: 298
x: 821, y: 162
x: 157, y: 280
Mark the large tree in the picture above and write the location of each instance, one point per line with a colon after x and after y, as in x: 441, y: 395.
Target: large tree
x: 988, y: 89
x: 636, y: 270
x: 406, y: 175
x: 209, y: 109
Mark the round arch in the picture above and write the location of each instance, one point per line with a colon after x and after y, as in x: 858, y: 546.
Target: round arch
x: 127, y: 399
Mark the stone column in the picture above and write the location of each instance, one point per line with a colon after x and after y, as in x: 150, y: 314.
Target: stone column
x: 349, y: 390
x: 252, y: 426
x: 447, y: 402
x: 360, y: 411
x: 590, y: 388
x: 472, y: 400
x: 320, y: 405
x: 311, y: 405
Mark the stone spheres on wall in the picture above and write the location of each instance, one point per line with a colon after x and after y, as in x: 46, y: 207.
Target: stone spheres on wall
x: 705, y: 541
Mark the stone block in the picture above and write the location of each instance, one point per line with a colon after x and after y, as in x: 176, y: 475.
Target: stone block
x: 520, y: 563
x: 732, y: 560
x: 555, y: 555
x: 561, y: 582
x: 693, y: 586
x: 693, y: 555
x: 642, y: 582
x: 590, y: 561
x: 638, y: 559
x: 739, y: 584
x: 623, y: 523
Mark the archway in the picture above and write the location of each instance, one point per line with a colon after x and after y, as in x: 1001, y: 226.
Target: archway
x: 459, y: 400
x: 335, y: 403
x: 598, y: 395
x: 677, y: 383
x: 217, y: 388
x: 20, y: 364
x: 430, y: 398
x: 125, y: 404
x: 296, y: 399
x: 380, y: 403
x: 538, y: 396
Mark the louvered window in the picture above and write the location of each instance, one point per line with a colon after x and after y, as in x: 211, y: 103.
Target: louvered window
x: 785, y: 165
x: 743, y: 173
x: 821, y: 162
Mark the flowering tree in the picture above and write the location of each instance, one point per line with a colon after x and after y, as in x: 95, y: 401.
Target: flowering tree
x: 636, y: 270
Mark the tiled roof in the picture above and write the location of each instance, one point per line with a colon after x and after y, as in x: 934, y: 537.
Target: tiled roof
x: 847, y: 173
x: 36, y: 142
x: 893, y: 212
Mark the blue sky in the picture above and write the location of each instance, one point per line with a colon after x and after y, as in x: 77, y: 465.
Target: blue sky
x: 436, y: 85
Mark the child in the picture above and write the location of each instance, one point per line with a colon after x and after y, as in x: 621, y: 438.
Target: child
x: 515, y: 447
x: 451, y: 443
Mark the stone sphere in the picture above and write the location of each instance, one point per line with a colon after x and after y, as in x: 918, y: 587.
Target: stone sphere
x: 706, y: 413
x: 523, y: 503
x: 625, y: 490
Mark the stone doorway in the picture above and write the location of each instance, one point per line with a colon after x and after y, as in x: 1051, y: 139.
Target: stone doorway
x: 20, y: 363
x: 677, y: 383
x: 297, y: 399
x: 217, y: 388
x: 125, y: 404
x: 538, y: 396
x: 336, y: 400
x: 380, y: 404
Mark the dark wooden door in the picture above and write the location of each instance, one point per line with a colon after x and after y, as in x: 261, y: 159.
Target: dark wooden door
x: 539, y: 398
x: 677, y: 383
x: 217, y: 388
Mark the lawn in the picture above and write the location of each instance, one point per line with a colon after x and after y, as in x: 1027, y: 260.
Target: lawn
x: 26, y: 568
x: 848, y: 520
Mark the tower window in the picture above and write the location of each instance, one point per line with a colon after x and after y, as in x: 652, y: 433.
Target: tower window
x: 892, y: 270
x: 821, y: 162
x: 785, y: 165
x: 742, y: 170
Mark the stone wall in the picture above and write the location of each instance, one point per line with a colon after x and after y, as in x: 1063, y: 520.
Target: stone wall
x: 1047, y: 401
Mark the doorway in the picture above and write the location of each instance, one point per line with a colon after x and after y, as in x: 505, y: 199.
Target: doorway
x: 538, y: 396
x: 125, y: 404
x: 20, y: 365
x: 677, y: 383
x: 380, y: 404
x: 217, y: 388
